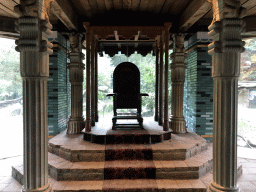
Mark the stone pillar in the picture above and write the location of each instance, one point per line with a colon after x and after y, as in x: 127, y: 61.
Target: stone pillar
x: 93, y: 80
x: 160, y: 117
x: 88, y: 78
x: 157, y: 84
x: 178, y: 66
x: 34, y: 49
x: 96, y: 84
x: 226, y: 49
x: 76, y: 76
x: 166, y: 74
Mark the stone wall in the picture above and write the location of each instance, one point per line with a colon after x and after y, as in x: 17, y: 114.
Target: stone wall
x: 198, y: 87
x: 58, y: 86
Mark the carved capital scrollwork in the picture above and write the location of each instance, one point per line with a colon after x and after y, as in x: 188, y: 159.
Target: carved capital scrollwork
x: 227, y: 9
x: 33, y: 35
x: 179, y: 43
x: 227, y: 36
x: 75, y: 42
x: 34, y: 8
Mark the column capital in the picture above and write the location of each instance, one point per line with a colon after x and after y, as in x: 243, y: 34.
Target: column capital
x: 75, y: 42
x: 178, y: 42
x: 33, y: 35
x: 226, y: 36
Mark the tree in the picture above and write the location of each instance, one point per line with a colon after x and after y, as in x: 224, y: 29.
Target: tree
x: 10, y: 79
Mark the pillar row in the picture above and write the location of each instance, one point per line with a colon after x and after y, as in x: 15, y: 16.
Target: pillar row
x: 225, y: 50
x: 76, y: 75
x: 178, y: 66
x: 34, y: 49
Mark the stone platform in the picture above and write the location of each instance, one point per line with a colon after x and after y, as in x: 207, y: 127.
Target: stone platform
x: 103, y: 133
x: 183, y: 163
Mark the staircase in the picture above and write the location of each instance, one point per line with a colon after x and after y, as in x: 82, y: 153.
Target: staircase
x: 179, y: 164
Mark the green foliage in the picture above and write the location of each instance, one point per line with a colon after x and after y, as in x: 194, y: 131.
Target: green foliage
x: 248, y: 61
x: 10, y: 79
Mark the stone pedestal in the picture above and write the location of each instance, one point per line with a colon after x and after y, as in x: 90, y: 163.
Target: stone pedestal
x: 34, y: 49
x: 76, y: 75
x: 178, y: 66
x: 225, y: 50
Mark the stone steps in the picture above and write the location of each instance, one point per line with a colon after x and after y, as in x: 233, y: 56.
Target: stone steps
x: 179, y: 164
x: 128, y: 185
x: 63, y: 170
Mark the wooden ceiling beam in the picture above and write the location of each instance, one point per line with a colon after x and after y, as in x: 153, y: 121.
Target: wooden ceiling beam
x: 7, y: 28
x: 8, y: 7
x: 250, y: 28
x: 195, y: 10
x: 62, y: 9
x: 128, y: 31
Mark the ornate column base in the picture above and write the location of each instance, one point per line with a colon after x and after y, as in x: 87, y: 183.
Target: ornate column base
x: 178, y: 125
x: 75, y: 125
x: 214, y: 187
x: 46, y: 188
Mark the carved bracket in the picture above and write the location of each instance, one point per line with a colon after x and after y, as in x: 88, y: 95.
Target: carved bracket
x: 227, y: 9
x: 34, y: 8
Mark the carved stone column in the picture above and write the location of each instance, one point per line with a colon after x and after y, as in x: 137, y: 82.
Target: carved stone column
x: 166, y: 74
x: 76, y: 75
x: 96, y: 84
x: 93, y: 80
x: 227, y: 45
x: 88, y: 78
x: 34, y: 49
x: 178, y: 66
x: 160, y: 117
x: 157, y: 84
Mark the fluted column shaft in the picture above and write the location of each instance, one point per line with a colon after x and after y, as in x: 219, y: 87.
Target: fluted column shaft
x: 76, y: 76
x: 160, y: 117
x: 88, y: 78
x: 34, y: 49
x: 225, y: 49
x: 157, y: 84
x: 178, y: 66
x: 93, y: 81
